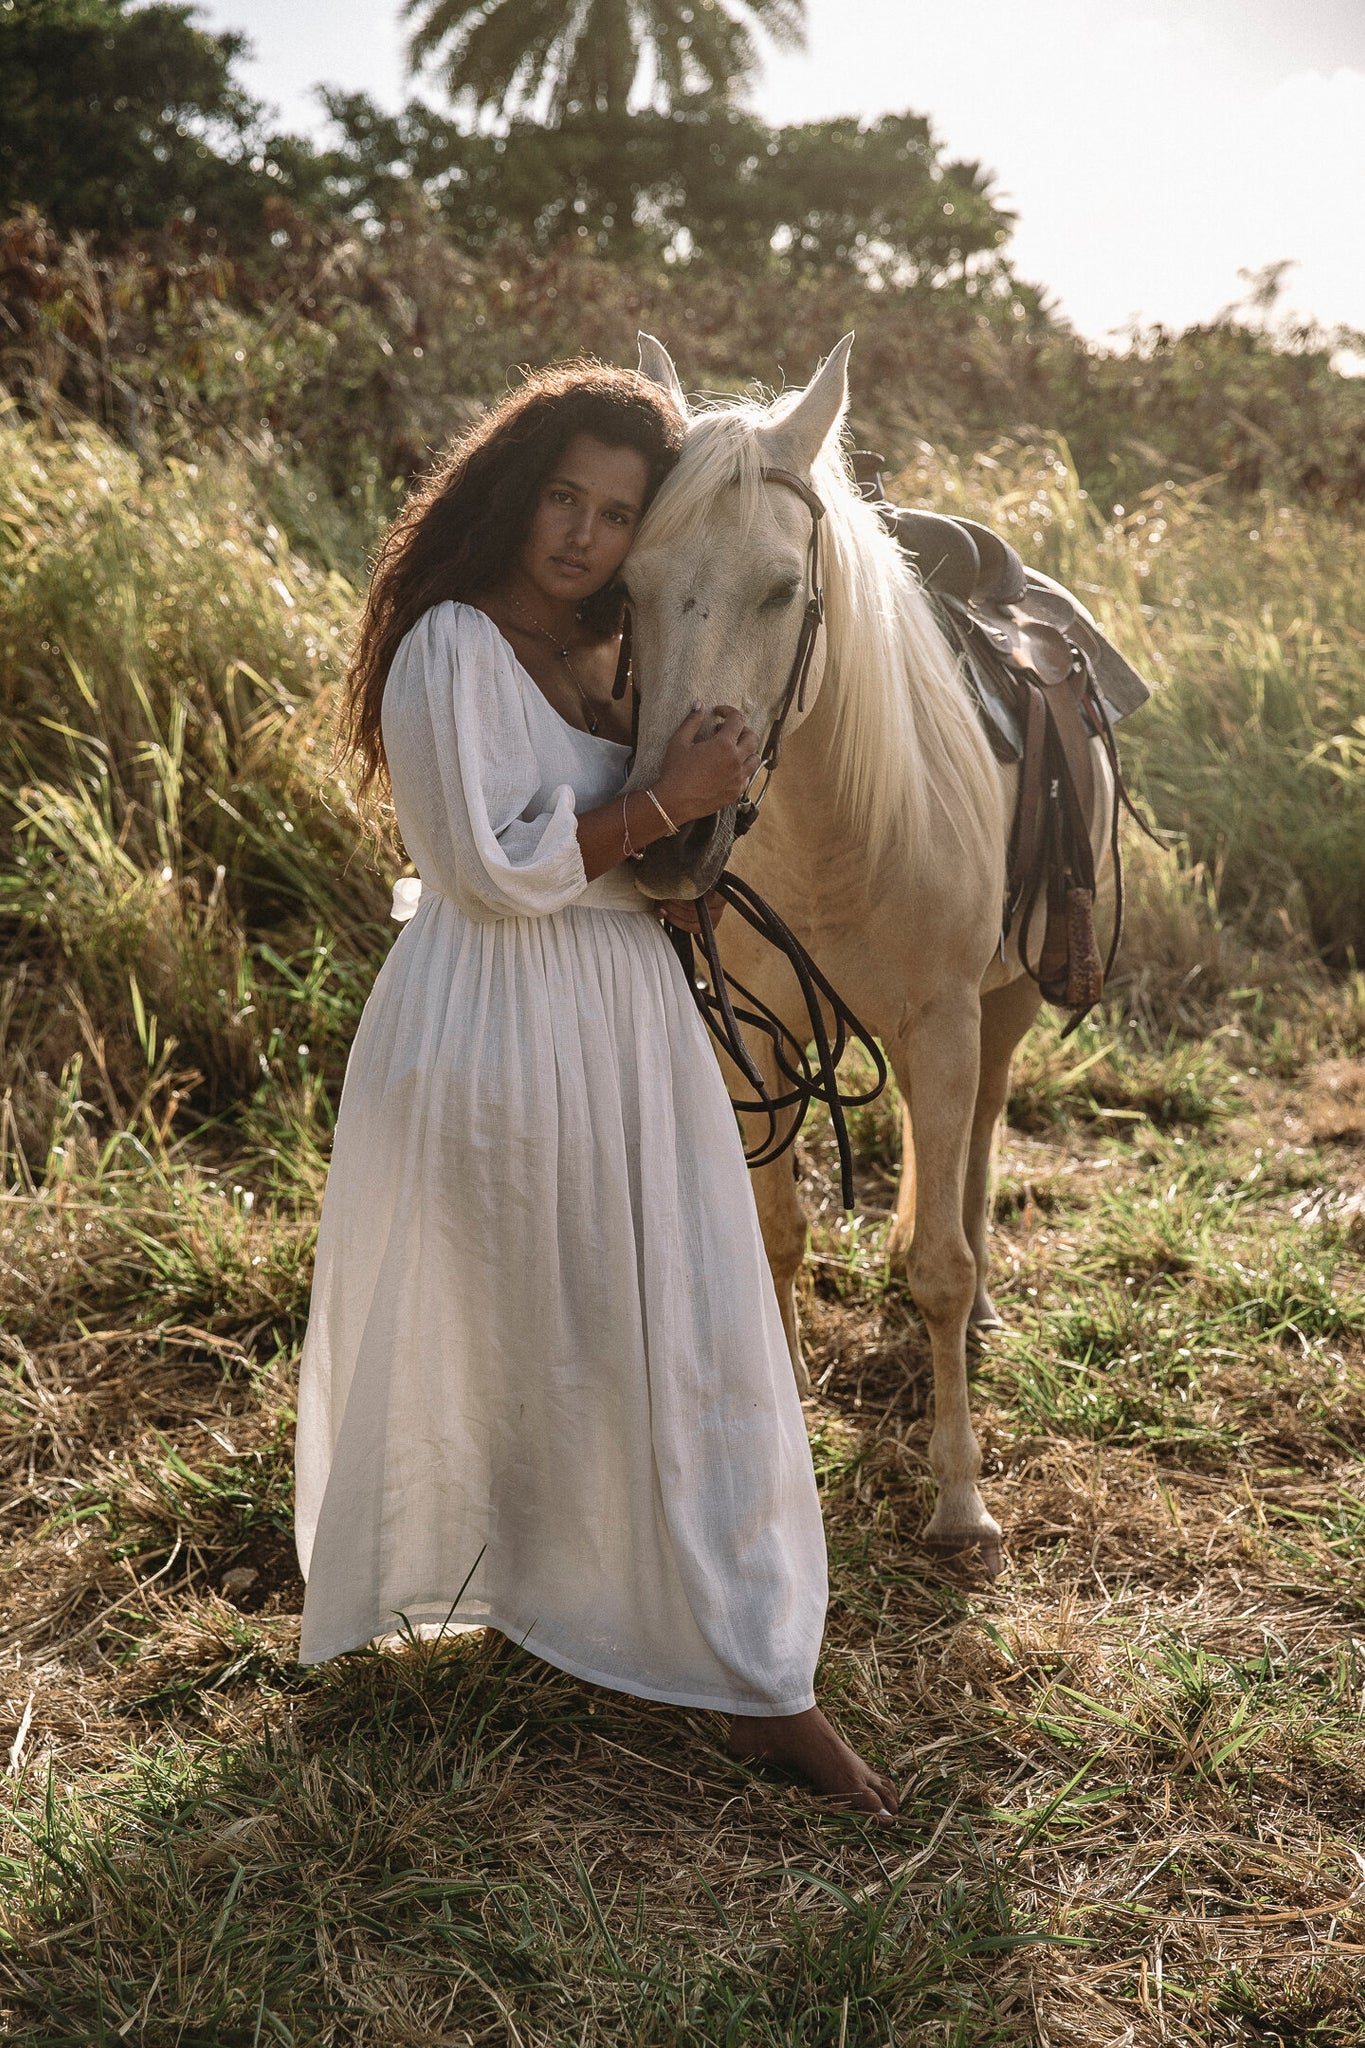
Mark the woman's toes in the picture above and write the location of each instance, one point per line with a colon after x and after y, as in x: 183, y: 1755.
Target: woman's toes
x: 869, y: 1801
x: 875, y: 1797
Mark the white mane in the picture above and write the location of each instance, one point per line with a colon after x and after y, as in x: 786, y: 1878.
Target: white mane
x: 909, y: 752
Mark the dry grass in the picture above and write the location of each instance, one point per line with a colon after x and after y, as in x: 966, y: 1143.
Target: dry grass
x: 1133, y: 1770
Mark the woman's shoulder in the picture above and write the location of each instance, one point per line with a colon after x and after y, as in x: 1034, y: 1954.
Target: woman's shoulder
x: 459, y: 636
x: 453, y: 621
x: 455, y: 645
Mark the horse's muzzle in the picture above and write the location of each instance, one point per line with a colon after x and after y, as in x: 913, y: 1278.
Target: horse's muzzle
x: 687, y: 864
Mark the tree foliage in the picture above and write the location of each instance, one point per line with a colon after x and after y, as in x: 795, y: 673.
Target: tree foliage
x: 1266, y: 408
x: 119, y: 119
x: 696, y: 185
x: 336, y: 311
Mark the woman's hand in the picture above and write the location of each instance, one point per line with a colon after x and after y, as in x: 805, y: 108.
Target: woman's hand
x: 702, y: 776
x: 682, y: 911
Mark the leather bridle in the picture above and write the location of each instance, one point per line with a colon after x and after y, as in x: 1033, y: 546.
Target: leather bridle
x: 811, y: 621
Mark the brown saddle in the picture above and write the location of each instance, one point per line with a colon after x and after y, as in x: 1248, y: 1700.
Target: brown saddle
x: 1045, y: 683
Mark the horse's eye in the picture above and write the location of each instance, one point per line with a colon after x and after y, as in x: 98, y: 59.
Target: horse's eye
x: 778, y: 597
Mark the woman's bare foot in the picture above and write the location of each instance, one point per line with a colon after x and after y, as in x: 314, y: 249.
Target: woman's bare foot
x: 807, y: 1743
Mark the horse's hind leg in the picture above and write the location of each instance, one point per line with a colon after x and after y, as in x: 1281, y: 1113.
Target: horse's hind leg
x: 1006, y: 1014
x: 936, y: 1064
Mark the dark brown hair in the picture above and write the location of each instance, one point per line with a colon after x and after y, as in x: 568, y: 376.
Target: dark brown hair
x: 466, y: 522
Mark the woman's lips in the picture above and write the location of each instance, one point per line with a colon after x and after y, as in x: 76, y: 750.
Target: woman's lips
x: 569, y: 568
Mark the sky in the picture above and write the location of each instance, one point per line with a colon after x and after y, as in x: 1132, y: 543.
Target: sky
x: 1152, y: 149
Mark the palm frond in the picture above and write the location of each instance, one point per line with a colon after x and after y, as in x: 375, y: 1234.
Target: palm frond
x: 589, y: 52
x: 718, y: 52
x: 516, y: 48
x: 601, y: 65
x: 782, y: 21
x: 438, y: 22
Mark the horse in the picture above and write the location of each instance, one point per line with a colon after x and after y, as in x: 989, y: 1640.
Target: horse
x: 882, y: 840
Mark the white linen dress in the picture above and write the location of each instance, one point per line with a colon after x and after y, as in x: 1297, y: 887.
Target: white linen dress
x: 545, y: 1385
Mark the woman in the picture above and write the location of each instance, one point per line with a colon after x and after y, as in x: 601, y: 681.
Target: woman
x: 545, y: 1386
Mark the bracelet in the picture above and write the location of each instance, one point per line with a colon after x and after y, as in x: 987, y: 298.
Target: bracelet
x: 629, y: 851
x: 672, y: 828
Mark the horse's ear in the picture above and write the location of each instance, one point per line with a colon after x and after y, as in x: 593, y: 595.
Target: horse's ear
x: 657, y: 364
x: 797, y: 435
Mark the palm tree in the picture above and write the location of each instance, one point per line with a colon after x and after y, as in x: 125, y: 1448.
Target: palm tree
x: 588, y: 54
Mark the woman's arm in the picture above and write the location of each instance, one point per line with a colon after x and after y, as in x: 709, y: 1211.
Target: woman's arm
x: 698, y: 777
x: 602, y: 832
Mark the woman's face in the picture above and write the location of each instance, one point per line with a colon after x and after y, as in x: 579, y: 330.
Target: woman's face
x: 584, y: 523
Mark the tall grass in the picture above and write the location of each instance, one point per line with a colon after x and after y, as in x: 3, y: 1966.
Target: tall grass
x: 185, y: 896
x: 188, y: 917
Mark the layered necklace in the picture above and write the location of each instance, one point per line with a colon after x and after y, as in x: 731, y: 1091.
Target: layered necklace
x: 534, y: 626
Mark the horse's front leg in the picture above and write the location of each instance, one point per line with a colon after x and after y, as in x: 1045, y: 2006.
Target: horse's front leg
x: 781, y: 1217
x: 937, y: 1063
x: 783, y: 1223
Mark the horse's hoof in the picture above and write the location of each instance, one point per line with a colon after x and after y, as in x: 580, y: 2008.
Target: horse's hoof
x: 985, y: 1316
x: 947, y: 1549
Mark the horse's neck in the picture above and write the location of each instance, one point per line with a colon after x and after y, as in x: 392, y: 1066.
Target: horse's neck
x: 817, y: 843
x: 810, y: 836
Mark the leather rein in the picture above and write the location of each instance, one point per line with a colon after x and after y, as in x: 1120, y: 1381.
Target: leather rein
x: 808, y: 1081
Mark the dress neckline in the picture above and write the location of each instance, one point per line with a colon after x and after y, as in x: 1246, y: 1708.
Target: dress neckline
x: 600, y: 739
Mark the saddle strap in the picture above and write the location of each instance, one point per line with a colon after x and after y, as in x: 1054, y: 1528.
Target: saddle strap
x: 1051, y: 861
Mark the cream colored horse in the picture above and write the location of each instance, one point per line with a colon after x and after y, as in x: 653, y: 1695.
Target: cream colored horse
x: 881, y: 841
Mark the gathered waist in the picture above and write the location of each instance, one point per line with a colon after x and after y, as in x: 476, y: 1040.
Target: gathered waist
x: 612, y: 891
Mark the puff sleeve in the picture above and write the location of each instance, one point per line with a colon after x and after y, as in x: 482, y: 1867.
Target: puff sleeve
x: 469, y: 792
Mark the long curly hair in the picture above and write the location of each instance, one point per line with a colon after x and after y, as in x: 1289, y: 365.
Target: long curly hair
x: 467, y: 520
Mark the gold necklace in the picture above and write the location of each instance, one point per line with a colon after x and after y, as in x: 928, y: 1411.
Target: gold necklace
x: 563, y: 653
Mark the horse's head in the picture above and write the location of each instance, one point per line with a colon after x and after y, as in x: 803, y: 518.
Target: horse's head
x: 719, y: 584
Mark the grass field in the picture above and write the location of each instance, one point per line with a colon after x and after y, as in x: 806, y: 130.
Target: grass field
x: 1133, y: 1770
